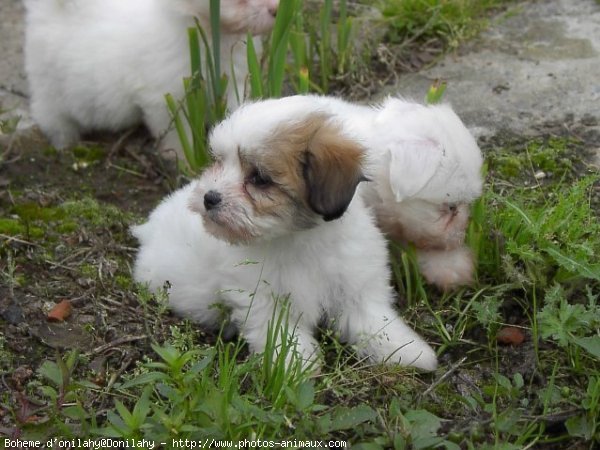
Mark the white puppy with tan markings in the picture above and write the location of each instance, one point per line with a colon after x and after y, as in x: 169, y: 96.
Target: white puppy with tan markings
x: 426, y: 170
x: 276, y: 215
x: 107, y: 64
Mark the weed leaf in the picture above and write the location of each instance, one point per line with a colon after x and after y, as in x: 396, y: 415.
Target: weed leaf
x: 51, y: 372
x: 346, y: 418
x: 145, y: 378
x: 590, y: 344
x: 367, y: 446
x: 580, y: 426
x: 423, y: 424
x: 572, y: 265
x: 306, y: 395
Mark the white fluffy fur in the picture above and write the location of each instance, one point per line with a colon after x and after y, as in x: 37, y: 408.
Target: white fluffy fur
x: 426, y: 171
x: 425, y: 167
x: 335, y: 268
x: 107, y: 64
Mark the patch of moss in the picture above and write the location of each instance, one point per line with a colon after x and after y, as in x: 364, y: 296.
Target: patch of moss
x: 67, y: 227
x: 50, y: 223
x: 447, y: 21
x: 92, y: 211
x: 11, y: 227
x: 50, y: 151
x: 509, y: 166
x: 32, y: 212
x: 551, y: 156
x: 124, y: 282
x: 16, y: 227
x: 89, y: 154
x: 88, y: 270
x: 20, y: 280
x: 446, y: 399
x: 9, y: 126
x: 33, y: 220
x: 34, y: 232
x: 555, y: 156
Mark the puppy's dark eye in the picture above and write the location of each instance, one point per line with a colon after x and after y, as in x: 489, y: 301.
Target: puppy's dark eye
x: 259, y: 179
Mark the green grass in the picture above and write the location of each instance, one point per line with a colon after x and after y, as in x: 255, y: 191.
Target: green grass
x: 315, y: 54
x: 31, y: 221
x: 447, y: 21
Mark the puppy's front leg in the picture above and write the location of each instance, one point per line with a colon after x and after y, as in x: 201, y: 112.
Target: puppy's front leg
x: 382, y: 336
x: 257, y: 328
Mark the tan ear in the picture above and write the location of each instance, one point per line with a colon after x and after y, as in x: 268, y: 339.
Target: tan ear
x: 332, y: 170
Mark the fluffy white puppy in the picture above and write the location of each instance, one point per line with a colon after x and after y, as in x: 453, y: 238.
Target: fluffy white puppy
x: 107, y: 64
x: 276, y: 215
x: 426, y: 170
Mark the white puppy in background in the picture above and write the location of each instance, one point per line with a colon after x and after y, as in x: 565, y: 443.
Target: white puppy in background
x: 276, y: 215
x: 426, y: 170
x: 107, y: 64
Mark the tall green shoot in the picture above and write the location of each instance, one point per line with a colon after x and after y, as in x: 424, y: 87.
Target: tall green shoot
x: 204, y: 103
x: 325, y: 44
x: 271, y: 86
x: 344, y: 30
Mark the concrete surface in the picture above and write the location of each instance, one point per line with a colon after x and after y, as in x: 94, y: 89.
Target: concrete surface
x: 13, y: 83
x: 538, y: 63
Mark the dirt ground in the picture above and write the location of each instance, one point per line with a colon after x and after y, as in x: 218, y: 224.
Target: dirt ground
x: 82, y: 252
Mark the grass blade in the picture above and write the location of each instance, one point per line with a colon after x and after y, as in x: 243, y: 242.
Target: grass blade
x: 215, y: 26
x: 279, y: 45
x: 254, y: 70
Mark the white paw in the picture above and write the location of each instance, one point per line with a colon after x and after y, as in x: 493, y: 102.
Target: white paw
x: 415, y: 354
x: 422, y: 357
x: 400, y: 345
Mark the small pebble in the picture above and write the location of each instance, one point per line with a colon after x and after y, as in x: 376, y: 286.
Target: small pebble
x: 60, y: 311
x: 510, y: 336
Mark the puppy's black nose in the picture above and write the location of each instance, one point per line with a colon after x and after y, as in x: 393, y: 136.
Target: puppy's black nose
x: 212, y: 200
